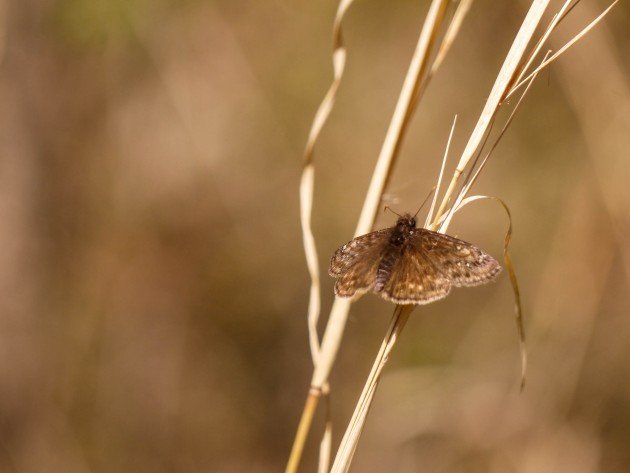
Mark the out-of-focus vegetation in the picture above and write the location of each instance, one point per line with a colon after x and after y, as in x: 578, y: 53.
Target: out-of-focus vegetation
x: 152, y: 280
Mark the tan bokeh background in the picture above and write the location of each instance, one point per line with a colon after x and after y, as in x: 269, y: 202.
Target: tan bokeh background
x: 153, y: 286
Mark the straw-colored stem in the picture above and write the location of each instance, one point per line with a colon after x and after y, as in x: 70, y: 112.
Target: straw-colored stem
x: 350, y: 440
x: 449, y: 192
x: 400, y: 120
x: 303, y: 429
x: 339, y: 312
x: 306, y: 206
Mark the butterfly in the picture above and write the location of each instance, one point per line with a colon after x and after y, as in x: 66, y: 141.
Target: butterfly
x: 409, y: 265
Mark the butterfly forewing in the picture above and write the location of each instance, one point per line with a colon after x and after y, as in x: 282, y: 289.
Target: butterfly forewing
x: 461, y: 262
x: 355, y: 264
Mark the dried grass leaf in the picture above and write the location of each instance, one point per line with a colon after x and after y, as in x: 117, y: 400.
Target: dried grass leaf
x: 509, y: 265
x: 502, y: 83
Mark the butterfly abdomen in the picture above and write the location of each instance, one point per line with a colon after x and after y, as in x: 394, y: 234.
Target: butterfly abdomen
x: 384, y: 271
x: 391, y: 255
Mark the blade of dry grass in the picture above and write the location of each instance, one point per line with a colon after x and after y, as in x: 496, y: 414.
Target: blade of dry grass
x: 474, y: 172
x: 324, y: 355
x: 461, y: 201
x: 380, y: 177
x: 564, y: 48
x: 445, y: 46
x: 503, y: 81
x: 325, y: 445
x: 509, y: 265
x: 312, y: 261
x: 552, y: 25
x: 307, y: 184
x: 349, y: 442
x: 400, y: 119
x: 308, y: 175
x: 339, y: 312
x: 441, y: 175
x: 451, y: 33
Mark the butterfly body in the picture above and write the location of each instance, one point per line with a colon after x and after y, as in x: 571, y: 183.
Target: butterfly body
x: 409, y: 265
x: 397, y: 240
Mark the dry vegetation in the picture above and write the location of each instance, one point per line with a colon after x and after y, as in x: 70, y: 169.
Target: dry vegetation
x: 519, y: 71
x: 153, y: 283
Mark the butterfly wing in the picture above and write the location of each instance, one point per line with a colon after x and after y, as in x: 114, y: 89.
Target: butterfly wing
x: 414, y: 279
x: 355, y: 264
x: 461, y: 262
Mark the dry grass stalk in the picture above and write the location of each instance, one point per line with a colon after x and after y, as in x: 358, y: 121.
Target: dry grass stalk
x: 429, y: 218
x: 325, y: 355
x: 355, y: 427
x: 462, y: 201
x: 504, y: 78
x: 380, y: 177
x: 307, y: 184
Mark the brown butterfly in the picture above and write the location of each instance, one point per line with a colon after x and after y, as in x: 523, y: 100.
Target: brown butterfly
x: 409, y: 265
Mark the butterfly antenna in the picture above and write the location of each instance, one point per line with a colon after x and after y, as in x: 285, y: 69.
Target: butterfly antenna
x: 387, y: 207
x: 425, y: 201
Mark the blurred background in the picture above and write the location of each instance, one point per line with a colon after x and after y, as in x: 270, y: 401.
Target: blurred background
x: 153, y: 284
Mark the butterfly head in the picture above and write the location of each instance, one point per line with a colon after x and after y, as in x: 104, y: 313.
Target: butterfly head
x: 406, y: 222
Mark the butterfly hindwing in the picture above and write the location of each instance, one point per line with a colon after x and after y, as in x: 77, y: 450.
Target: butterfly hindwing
x: 414, y: 279
x: 461, y: 262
